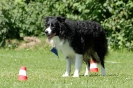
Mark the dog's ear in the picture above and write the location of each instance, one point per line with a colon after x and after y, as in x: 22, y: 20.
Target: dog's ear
x: 47, y: 18
x: 61, y: 19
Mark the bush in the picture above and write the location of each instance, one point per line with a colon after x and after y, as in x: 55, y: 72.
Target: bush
x: 21, y: 18
x: 120, y: 24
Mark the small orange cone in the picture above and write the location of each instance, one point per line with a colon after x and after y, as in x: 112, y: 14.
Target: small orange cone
x: 22, y: 74
x: 93, y: 66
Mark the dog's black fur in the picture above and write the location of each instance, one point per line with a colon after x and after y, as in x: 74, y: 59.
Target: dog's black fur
x: 85, y: 37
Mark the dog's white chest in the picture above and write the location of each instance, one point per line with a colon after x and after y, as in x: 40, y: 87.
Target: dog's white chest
x: 63, y: 46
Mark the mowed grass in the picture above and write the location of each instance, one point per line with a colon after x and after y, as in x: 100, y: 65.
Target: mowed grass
x: 44, y: 70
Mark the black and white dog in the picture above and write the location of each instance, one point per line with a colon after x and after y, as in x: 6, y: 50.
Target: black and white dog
x: 78, y: 41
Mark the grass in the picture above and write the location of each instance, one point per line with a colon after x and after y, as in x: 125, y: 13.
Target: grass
x: 44, y: 70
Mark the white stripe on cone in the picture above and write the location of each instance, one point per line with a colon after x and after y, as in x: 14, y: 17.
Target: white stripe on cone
x: 93, y: 65
x: 22, y: 72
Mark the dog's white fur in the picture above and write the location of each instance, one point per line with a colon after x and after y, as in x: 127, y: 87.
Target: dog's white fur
x: 68, y: 52
x: 71, y: 56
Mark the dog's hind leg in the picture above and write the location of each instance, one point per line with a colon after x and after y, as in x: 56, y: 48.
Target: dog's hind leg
x: 95, y: 57
x: 68, y: 67
x: 87, y: 68
x: 78, y: 64
x: 99, y: 58
x: 103, y: 68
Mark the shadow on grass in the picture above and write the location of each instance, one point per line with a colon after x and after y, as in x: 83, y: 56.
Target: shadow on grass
x: 111, y: 75
x: 99, y: 75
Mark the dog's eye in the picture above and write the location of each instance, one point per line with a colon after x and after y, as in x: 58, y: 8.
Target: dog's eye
x: 46, y: 24
x: 52, y: 24
x: 53, y: 27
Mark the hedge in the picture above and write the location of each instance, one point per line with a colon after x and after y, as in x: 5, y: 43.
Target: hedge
x: 21, y: 18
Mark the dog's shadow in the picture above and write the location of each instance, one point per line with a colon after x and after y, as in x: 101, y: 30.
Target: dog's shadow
x: 99, y: 75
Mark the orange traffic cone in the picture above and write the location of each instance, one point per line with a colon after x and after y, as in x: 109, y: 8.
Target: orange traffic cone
x: 22, y: 74
x: 93, y: 66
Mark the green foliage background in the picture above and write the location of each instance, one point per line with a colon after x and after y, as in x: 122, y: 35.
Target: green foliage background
x: 19, y: 18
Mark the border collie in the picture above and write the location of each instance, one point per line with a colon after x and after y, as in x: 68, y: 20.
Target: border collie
x: 78, y: 41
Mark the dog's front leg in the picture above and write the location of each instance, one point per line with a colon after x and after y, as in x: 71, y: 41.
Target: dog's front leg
x: 78, y: 64
x: 68, y: 67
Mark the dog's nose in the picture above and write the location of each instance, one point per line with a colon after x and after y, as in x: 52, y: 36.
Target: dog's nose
x: 46, y: 32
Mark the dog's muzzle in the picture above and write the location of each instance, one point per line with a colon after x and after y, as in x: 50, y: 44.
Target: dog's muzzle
x: 50, y: 35
x: 46, y: 32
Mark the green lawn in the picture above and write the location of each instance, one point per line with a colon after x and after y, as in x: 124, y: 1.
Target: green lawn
x: 44, y: 70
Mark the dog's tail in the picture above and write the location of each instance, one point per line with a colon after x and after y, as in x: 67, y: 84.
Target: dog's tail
x: 101, y: 51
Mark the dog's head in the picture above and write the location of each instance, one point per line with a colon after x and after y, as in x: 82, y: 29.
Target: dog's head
x: 53, y: 25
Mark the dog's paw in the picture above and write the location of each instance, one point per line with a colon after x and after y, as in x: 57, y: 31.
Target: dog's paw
x: 76, y: 74
x: 65, y: 75
x: 103, y: 74
x: 86, y: 73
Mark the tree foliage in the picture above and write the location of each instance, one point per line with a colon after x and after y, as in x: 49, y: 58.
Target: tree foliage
x: 19, y: 18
